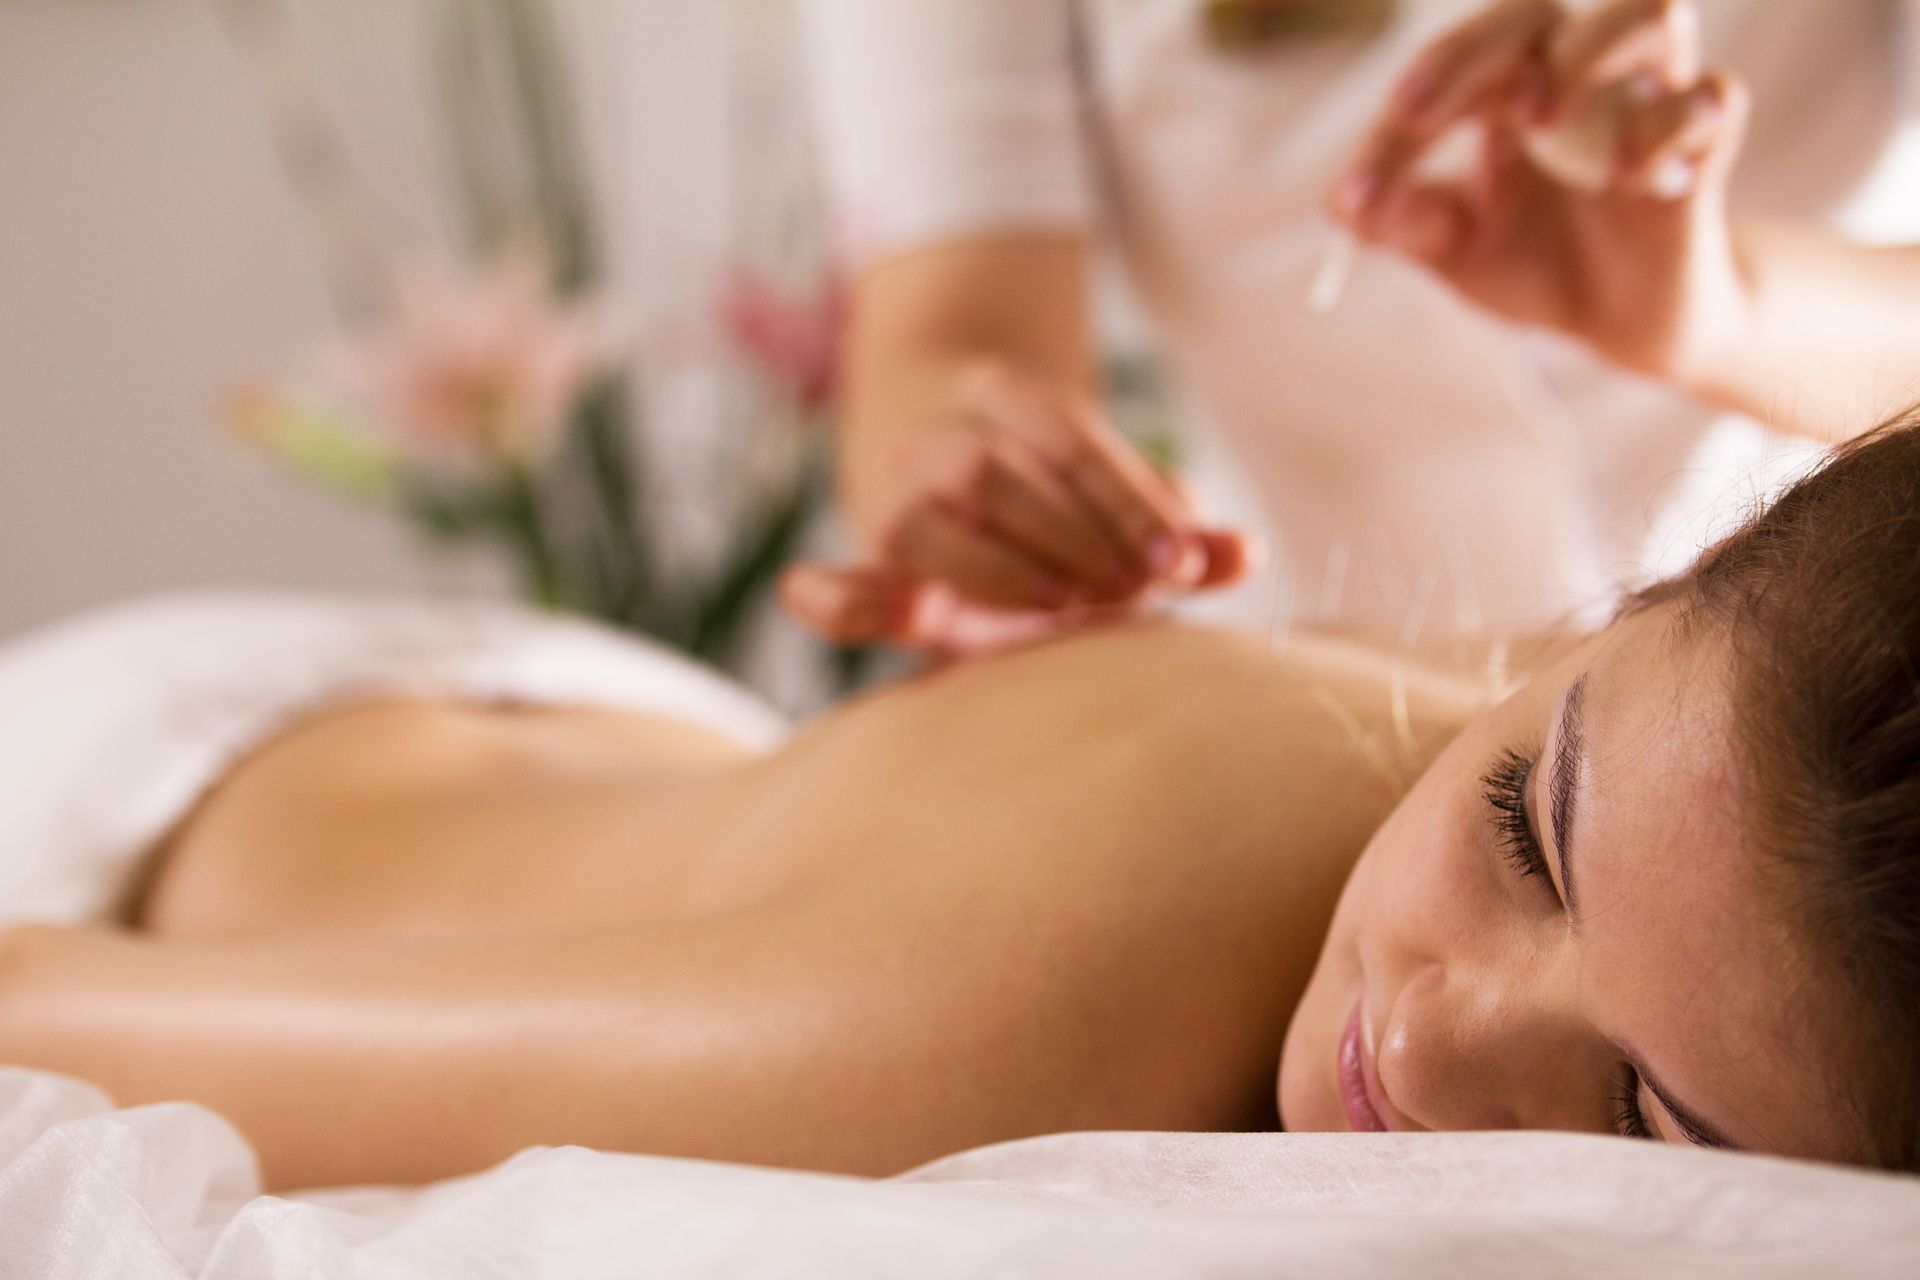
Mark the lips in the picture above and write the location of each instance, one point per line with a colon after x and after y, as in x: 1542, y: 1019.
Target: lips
x: 1358, y: 1092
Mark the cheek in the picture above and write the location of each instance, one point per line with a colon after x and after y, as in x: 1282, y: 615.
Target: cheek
x: 1431, y: 882
x: 1430, y: 851
x: 1405, y: 891
x: 1429, y: 879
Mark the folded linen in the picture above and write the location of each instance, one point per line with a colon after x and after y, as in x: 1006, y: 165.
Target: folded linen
x: 113, y: 724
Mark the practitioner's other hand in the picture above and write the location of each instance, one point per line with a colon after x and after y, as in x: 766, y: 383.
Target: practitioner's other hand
x: 1022, y: 513
x: 1597, y: 204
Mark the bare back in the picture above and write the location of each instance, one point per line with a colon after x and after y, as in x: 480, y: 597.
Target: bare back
x: 1078, y: 886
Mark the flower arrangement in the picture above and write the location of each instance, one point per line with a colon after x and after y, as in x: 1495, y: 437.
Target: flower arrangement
x: 493, y: 402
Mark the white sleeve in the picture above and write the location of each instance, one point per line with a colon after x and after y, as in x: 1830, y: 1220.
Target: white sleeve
x: 940, y: 118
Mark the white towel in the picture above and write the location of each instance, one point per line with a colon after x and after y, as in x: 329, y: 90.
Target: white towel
x: 112, y: 725
x: 171, y: 1192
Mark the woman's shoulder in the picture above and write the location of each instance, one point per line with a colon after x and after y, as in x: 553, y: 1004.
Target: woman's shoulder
x: 1176, y: 663
x: 1218, y: 712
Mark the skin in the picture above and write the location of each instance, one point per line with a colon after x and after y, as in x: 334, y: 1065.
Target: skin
x: 1087, y: 885
x: 1489, y: 1007
x: 1653, y: 271
x: 1078, y: 886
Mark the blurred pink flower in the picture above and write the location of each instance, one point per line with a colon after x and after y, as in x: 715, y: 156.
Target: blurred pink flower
x: 793, y: 340
x: 478, y: 366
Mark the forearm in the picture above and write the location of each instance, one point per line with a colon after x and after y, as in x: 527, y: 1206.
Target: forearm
x: 1828, y: 342
x: 922, y: 318
x: 380, y: 1061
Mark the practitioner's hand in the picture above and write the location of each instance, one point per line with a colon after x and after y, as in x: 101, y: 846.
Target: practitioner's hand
x: 1636, y: 256
x: 1022, y: 514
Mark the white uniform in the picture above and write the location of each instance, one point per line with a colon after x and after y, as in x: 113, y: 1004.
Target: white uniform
x: 1420, y: 467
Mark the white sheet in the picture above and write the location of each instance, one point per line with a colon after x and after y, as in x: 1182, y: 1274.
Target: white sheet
x: 170, y: 1191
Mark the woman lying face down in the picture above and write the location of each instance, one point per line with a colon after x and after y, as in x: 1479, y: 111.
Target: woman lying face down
x: 1569, y: 923
x: 1707, y: 924
x: 1125, y: 879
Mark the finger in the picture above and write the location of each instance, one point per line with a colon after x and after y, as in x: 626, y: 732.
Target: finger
x: 934, y: 543
x: 1452, y: 80
x: 1736, y: 106
x: 1394, y: 157
x: 1671, y: 145
x: 1382, y: 162
x: 1230, y: 556
x: 1453, y: 75
x: 848, y: 604
x: 1664, y: 143
x: 987, y: 475
x: 1621, y: 41
x: 1022, y: 500
x: 1129, y: 500
x: 1431, y: 224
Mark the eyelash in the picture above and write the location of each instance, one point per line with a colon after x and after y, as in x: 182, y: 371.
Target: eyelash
x: 1629, y: 1121
x: 1506, y: 788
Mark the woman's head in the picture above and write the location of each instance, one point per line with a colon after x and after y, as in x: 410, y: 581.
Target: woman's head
x: 1676, y: 877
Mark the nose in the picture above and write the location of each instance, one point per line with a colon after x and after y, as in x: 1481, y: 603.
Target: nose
x: 1491, y: 1047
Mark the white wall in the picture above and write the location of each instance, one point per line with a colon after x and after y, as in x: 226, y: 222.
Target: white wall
x: 150, y: 253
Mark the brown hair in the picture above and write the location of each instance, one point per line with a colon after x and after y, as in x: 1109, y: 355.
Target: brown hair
x: 1819, y: 595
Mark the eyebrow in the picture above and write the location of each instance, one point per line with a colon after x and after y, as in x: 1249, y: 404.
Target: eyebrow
x: 1569, y: 745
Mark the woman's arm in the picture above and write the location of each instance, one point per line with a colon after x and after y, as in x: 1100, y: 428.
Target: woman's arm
x: 358, y: 1060
x: 993, y: 502
x: 924, y: 317
x: 977, y: 470
x: 1828, y: 340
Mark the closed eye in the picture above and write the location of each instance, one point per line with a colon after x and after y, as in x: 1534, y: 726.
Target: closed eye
x: 1506, y: 787
x: 1629, y: 1121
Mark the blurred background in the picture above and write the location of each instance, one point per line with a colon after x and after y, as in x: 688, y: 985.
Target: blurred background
x: 232, y: 230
